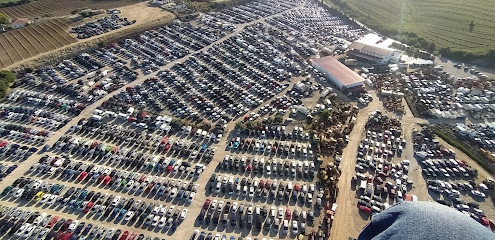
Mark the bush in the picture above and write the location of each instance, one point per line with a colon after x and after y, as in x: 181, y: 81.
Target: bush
x: 6, y: 78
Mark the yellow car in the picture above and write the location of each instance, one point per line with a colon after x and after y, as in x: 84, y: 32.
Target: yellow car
x: 39, y: 195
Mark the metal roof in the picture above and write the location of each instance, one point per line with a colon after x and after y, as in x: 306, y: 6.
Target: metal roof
x: 338, y: 71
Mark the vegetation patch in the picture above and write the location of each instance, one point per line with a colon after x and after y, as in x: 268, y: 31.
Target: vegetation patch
x: 6, y: 78
x: 472, y: 153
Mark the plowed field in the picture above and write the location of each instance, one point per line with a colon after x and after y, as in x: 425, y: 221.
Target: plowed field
x: 60, y: 7
x: 32, y: 40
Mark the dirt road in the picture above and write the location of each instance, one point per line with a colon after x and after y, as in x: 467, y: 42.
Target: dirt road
x: 348, y: 221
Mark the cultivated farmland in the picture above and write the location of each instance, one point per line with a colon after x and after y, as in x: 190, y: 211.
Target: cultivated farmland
x: 32, y: 40
x: 444, y: 22
x: 60, y: 7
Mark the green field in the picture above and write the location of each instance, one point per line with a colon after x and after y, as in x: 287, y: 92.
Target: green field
x: 6, y: 1
x: 443, y: 22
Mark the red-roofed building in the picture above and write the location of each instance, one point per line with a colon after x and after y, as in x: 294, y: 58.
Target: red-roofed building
x: 19, y: 23
x: 339, y: 74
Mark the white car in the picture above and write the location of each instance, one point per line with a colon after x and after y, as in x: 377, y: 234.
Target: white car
x: 220, y: 206
x: 213, y: 204
x: 28, y: 231
x: 183, y: 214
x: 250, y: 209
x: 251, y: 192
x: 155, y: 221
x: 116, y: 200
x: 273, y: 211
x: 191, y: 197
x: 22, y: 229
x: 478, y: 193
x: 73, y: 226
x: 170, y: 211
x: 295, y: 228
x: 280, y: 213
x: 128, y: 215
x: 162, y: 222
x: 285, y: 227
x: 234, y: 207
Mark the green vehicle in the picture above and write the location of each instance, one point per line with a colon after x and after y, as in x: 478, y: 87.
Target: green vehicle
x: 143, y: 217
x: 123, y: 183
x: 77, y: 204
x: 6, y: 190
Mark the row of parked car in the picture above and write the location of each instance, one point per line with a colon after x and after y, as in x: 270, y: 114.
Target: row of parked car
x: 252, y: 11
x: 109, y: 207
x: 239, y: 215
x: 35, y: 116
x: 270, y: 147
x: 45, y: 100
x: 270, y: 167
x: 264, y: 189
x: 129, y: 182
x: 6, y: 169
x: 14, y: 151
x: 196, y: 150
x: 23, y: 134
x: 137, y: 160
x: 378, y: 176
x: 101, y: 26
x: 19, y: 223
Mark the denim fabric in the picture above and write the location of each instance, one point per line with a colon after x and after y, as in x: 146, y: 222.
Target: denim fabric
x: 424, y: 220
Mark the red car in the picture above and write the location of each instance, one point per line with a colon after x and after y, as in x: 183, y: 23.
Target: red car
x: 52, y: 222
x: 82, y: 176
x: 124, y: 236
x: 288, y: 214
x: 66, y: 235
x: 364, y: 209
x: 66, y: 225
x: 106, y: 180
x: 59, y: 235
x: 101, y: 177
x: 88, y: 207
x: 207, y: 203
x: 148, y: 189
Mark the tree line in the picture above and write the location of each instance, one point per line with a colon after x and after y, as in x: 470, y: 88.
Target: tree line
x: 14, y: 3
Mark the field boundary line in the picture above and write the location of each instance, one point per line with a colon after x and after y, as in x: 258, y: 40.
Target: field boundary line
x: 29, y: 41
x: 13, y: 47
x: 21, y: 45
x: 10, y: 57
x: 46, y: 27
x: 48, y: 36
x: 34, y: 36
x: 64, y: 34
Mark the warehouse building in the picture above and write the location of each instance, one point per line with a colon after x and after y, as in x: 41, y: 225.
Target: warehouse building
x: 337, y: 73
x: 374, y: 49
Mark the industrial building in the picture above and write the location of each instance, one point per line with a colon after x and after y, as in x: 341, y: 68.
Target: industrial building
x: 337, y: 73
x: 374, y: 49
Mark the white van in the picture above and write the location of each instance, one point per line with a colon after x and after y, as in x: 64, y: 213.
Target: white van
x: 198, y: 132
x: 130, y: 111
x: 362, y: 101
